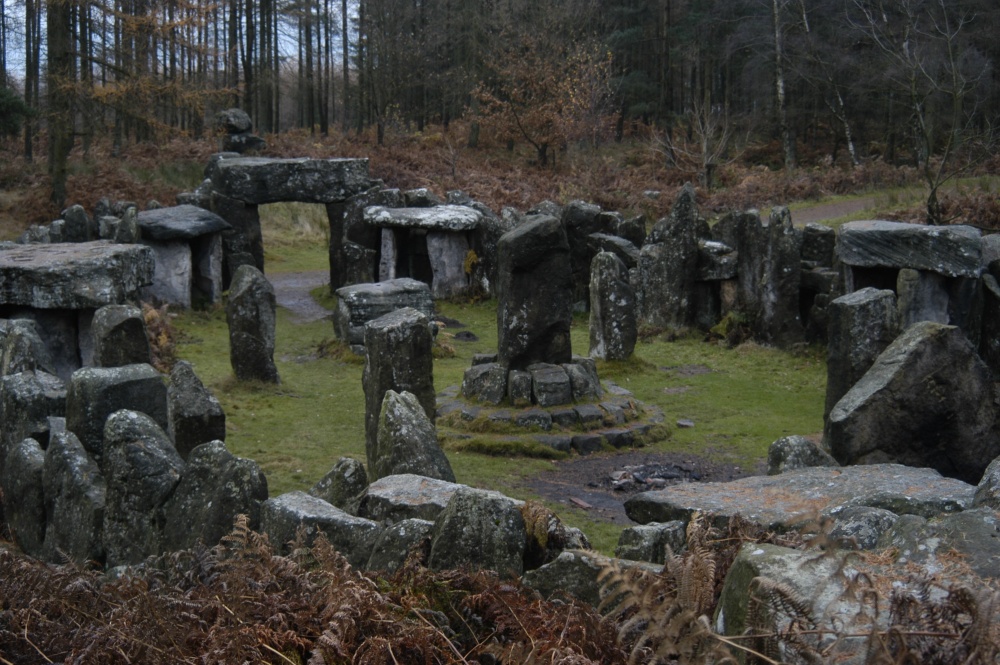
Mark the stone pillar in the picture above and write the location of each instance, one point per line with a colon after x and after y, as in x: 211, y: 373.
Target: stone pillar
x: 923, y: 296
x: 397, y: 357
x: 387, y: 257
x: 243, y: 244
x: 862, y: 325
x: 447, y: 252
x: 250, y: 314
x: 119, y: 334
x: 613, y: 329
x: 781, y: 323
x: 534, y: 294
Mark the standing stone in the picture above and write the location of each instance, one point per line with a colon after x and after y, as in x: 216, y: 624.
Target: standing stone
x: 387, y: 255
x: 989, y: 341
x: 196, y: 417
x: 668, y: 263
x: 397, y: 357
x: 214, y: 488
x: 74, y: 502
x: 27, y: 401
x: 480, y: 529
x: 613, y: 328
x: 928, y: 401
x: 781, y: 323
x: 243, y: 244
x: 250, y: 314
x: 173, y: 275
x: 23, y: 349
x: 580, y: 220
x: 127, y: 231
x: 78, y: 226
x: 534, y: 293
x: 447, y: 253
x: 119, y: 333
x: 861, y: 325
x: 24, y: 496
x: 97, y: 392
x: 923, y: 296
x: 142, y: 470
x: 407, y: 441
x: 819, y: 244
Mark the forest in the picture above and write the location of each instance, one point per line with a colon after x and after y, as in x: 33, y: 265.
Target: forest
x: 829, y: 81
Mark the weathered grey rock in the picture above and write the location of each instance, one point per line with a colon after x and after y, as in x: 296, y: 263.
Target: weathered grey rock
x: 214, y: 488
x: 195, y: 415
x: 352, y: 241
x: 396, y: 543
x: 78, y: 226
x: 23, y: 349
x: 485, y: 240
x: 406, y: 496
x: 74, y: 502
x: 717, y: 261
x: 258, y: 180
x: 861, y: 326
x: 27, y: 401
x: 182, y: 222
x: 668, y: 264
x: 233, y: 121
x: 142, y: 471
x: 577, y: 573
x: 796, y: 452
x: 119, y: 333
x: 283, y: 516
x: 342, y: 486
x: 173, y: 275
x: 989, y: 341
x: 481, y: 530
x: 927, y: 401
x: 953, y: 251
x: 243, y: 244
x: 653, y: 542
x: 581, y: 220
x: 97, y: 392
x: 780, y: 323
x: 780, y: 502
x: 242, y: 143
x: 35, y: 235
x: 420, y: 197
x: 74, y: 276
x: 127, y: 230
x: 207, y: 267
x: 988, y: 490
x: 818, y: 582
x: 931, y: 543
x: 550, y: 385
x: 407, y: 441
x: 360, y: 303
x: 819, y: 244
x: 24, y: 496
x: 744, y: 232
x: 250, y: 313
x: 534, y: 294
x: 519, y: 388
x: 626, y: 252
x: 397, y: 357
x: 633, y: 230
x: 922, y: 296
x: 860, y: 527
x: 487, y: 383
x: 455, y: 218
x: 583, y: 380
x: 447, y: 253
x: 613, y: 326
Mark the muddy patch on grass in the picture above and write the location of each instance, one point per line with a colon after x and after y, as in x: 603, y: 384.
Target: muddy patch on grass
x: 600, y: 484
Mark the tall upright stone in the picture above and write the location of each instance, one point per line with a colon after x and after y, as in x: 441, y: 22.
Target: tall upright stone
x: 75, y: 494
x: 613, y: 329
x: 668, y: 264
x: 251, y: 313
x: 119, y: 333
x: 861, y: 325
x: 397, y: 357
x: 407, y: 441
x: 535, y: 294
x: 196, y: 417
x: 781, y: 323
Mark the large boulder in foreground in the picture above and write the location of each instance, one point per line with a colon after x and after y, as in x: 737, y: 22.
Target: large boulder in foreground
x: 480, y: 529
x: 407, y: 441
x: 928, y: 401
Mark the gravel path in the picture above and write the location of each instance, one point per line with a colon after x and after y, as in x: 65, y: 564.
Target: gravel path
x: 824, y: 211
x: 291, y: 289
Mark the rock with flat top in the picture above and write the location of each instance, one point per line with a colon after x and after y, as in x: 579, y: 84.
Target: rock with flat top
x: 258, y: 180
x: 953, y: 251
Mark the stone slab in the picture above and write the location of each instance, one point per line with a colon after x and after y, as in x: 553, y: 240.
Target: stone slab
x: 84, y: 275
x: 953, y: 251
x: 780, y: 502
x: 361, y: 303
x: 182, y: 222
x: 258, y: 180
x: 438, y: 218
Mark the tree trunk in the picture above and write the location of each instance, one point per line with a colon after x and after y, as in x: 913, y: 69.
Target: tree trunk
x: 787, y: 136
x: 59, y: 31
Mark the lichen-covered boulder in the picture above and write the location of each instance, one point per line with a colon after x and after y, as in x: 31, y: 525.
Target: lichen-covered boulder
x: 652, y: 542
x: 577, y: 573
x: 479, y: 529
x: 343, y: 484
x: 75, y: 497
x: 214, y: 488
x: 23, y: 349
x: 397, y: 541
x: 250, y: 313
x: 407, y: 441
x: 24, y: 496
x: 796, y: 452
x: 613, y: 326
x: 142, y: 470
x: 406, y: 496
x: 27, y: 401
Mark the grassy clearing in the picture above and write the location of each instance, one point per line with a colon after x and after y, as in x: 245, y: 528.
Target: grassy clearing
x: 739, y: 399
